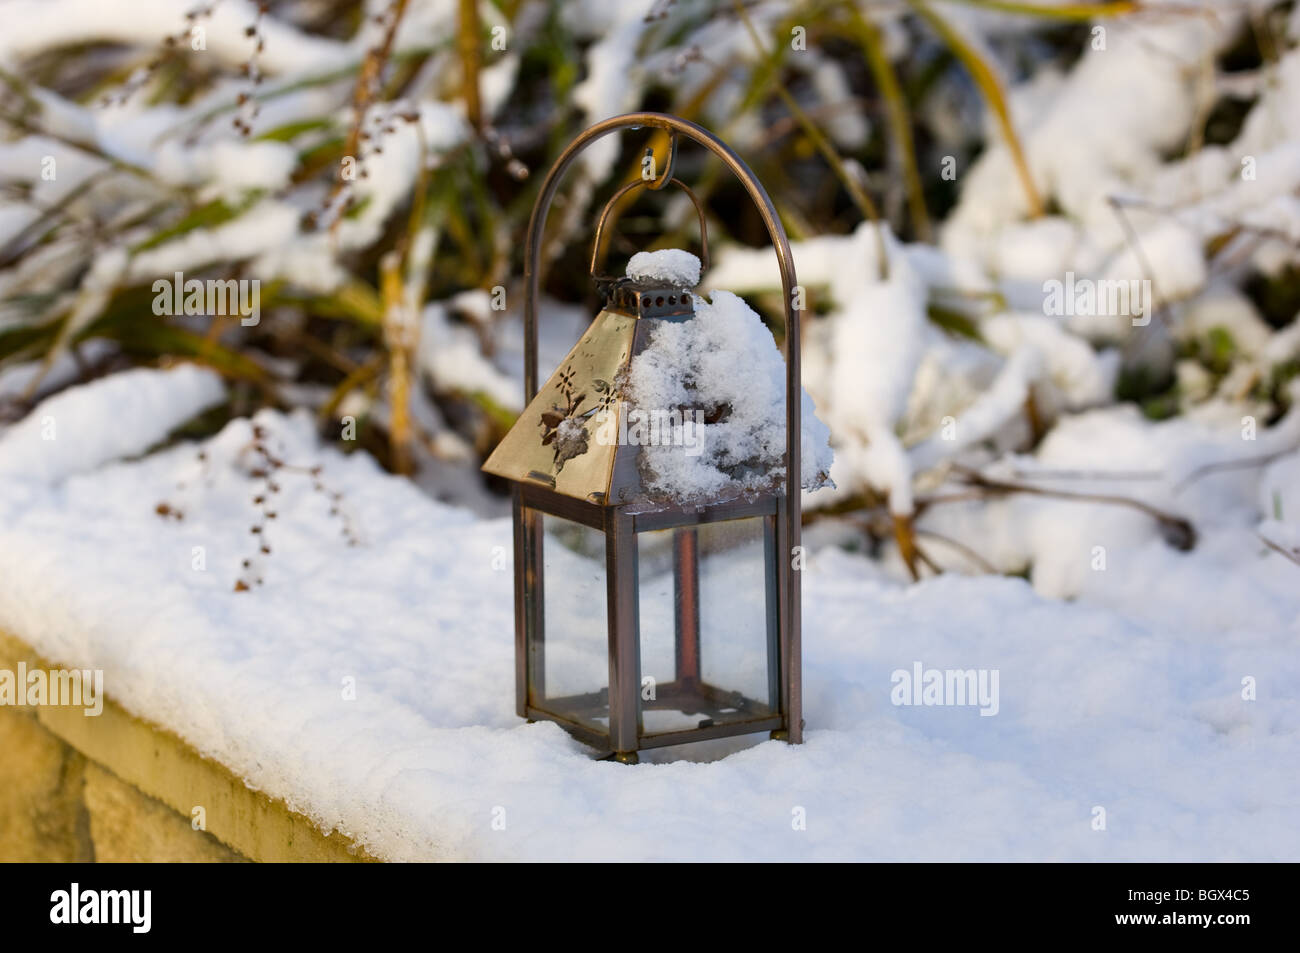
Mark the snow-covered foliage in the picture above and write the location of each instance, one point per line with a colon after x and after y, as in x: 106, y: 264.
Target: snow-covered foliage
x: 1115, y: 144
x: 351, y: 172
x: 133, y: 411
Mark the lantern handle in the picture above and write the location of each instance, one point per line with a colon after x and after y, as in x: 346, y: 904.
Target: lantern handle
x: 655, y: 185
x: 609, y: 207
x: 674, y: 127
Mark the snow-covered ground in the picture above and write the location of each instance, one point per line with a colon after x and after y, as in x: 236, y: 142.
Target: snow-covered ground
x: 1127, y: 698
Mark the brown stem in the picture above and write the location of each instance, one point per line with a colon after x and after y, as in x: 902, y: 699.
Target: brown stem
x: 962, y: 548
x: 1179, y: 532
x: 1244, y: 463
x: 467, y: 40
x: 905, y: 536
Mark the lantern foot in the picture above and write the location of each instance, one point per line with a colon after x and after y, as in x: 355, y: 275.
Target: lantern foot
x: 779, y: 734
x: 623, y: 757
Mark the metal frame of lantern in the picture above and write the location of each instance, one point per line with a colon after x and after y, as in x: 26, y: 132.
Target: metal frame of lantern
x: 620, y: 524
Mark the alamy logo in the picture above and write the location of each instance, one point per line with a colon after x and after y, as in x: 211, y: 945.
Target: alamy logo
x: 133, y: 907
x: 1098, y: 298
x: 229, y: 296
x: 953, y: 687
x: 652, y: 428
x: 57, y: 688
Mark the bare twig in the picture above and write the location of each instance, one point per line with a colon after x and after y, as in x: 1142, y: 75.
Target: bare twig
x: 962, y: 548
x: 1178, y: 531
x: 1088, y: 474
x: 1241, y: 463
x: 364, y: 94
x: 1131, y: 236
x: 1278, y: 548
x: 471, y: 57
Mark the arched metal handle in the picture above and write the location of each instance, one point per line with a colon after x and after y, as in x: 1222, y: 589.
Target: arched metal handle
x: 654, y: 185
x: 609, y: 207
x: 673, y: 126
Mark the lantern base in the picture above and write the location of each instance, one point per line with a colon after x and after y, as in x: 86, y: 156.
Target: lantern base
x: 701, y: 707
x: 705, y: 713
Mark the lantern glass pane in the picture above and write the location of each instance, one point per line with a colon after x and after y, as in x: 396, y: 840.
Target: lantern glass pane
x: 568, y: 668
x: 708, y: 635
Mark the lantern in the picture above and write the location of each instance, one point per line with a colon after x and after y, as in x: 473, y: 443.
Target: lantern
x: 640, y: 620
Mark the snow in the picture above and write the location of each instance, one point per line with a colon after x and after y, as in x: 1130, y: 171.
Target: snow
x: 864, y: 368
x: 50, y: 24
x: 613, y: 72
x: 1170, y: 257
x: 35, y: 378
x: 1130, y: 699
x: 1082, y: 376
x: 67, y: 434
x: 450, y: 355
x: 233, y: 166
x: 264, y: 228
x: 986, y: 415
x: 692, y: 365
x: 672, y: 266
x: 242, y: 171
x: 392, y: 172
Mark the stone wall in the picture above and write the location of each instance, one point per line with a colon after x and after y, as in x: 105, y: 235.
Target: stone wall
x: 114, y: 788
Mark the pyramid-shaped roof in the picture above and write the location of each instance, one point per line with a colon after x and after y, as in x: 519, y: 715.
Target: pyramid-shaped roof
x: 566, y: 439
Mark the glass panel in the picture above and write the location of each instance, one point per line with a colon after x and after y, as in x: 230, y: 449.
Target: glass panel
x: 568, y: 668
x: 706, y: 635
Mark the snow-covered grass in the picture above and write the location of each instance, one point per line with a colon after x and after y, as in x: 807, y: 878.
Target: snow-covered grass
x: 1128, y: 699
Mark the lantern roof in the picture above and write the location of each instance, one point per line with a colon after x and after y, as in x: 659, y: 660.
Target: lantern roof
x: 625, y: 417
x: 568, y: 438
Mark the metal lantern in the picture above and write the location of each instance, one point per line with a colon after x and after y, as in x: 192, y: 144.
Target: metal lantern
x: 642, y: 622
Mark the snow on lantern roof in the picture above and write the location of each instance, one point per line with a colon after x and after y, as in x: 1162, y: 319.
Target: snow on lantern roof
x: 670, y: 266
x: 668, y: 397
